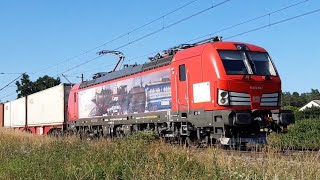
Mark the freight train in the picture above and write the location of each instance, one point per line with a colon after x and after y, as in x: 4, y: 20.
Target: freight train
x: 207, y: 92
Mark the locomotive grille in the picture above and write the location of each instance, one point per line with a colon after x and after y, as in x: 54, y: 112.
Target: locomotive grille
x: 269, y: 99
x: 239, y: 99
x: 243, y: 99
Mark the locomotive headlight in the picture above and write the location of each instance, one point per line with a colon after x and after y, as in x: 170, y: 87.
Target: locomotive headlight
x: 223, y: 97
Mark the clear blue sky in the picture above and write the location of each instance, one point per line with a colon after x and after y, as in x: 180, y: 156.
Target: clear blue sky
x: 37, y: 35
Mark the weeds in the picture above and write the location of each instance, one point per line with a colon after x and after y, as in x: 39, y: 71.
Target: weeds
x: 24, y: 156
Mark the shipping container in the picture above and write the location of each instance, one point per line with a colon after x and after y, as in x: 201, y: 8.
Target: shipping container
x: 1, y: 114
x: 48, y: 107
x: 18, y: 112
x: 7, y: 115
x: 15, y: 113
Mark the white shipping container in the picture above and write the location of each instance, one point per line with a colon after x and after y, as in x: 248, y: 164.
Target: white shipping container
x: 7, y: 115
x: 18, y: 112
x: 48, y: 107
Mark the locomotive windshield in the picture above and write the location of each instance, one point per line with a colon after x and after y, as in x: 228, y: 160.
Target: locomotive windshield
x: 234, y: 62
x: 247, y: 62
x: 261, y: 64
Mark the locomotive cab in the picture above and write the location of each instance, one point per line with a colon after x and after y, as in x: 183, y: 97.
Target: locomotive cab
x: 249, y: 89
x: 229, y: 89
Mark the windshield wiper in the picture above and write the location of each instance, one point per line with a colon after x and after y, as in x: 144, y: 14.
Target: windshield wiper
x: 245, y: 77
x: 267, y: 77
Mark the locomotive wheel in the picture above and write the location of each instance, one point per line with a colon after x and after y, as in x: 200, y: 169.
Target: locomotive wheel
x: 119, y: 134
x: 70, y: 133
x: 180, y: 139
x: 189, y: 143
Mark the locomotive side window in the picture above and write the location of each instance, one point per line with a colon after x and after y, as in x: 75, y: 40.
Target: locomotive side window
x: 182, y: 72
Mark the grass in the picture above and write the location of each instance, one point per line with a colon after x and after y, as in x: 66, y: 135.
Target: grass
x: 24, y: 156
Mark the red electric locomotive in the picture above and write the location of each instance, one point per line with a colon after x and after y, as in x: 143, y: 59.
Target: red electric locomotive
x: 207, y: 92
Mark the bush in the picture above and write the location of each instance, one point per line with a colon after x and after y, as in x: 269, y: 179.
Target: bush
x: 304, y: 134
x: 308, y: 113
x: 313, y: 112
x: 297, y: 114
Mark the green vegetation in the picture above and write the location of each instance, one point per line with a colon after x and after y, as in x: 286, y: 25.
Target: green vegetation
x: 24, y: 156
x: 26, y: 87
x: 308, y: 113
x: 298, y: 100
x: 304, y: 134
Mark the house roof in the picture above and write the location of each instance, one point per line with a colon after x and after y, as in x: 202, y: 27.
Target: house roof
x: 317, y: 101
x: 310, y: 104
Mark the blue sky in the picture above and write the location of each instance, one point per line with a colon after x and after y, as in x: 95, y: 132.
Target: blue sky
x: 38, y: 37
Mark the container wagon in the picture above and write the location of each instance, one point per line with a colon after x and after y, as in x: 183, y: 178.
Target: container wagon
x: 47, y: 110
x: 15, y: 114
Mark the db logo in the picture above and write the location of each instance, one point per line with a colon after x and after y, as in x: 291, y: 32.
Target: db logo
x: 256, y: 99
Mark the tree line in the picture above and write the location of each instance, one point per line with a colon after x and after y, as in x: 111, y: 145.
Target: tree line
x: 294, y: 101
x: 298, y: 100
x: 26, y: 87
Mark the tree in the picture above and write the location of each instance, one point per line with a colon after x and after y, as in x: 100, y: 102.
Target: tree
x: 286, y: 99
x: 46, y: 82
x: 298, y: 100
x: 315, y: 94
x: 26, y: 87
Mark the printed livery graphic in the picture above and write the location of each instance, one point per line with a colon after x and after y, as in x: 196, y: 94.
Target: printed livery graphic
x: 145, y: 93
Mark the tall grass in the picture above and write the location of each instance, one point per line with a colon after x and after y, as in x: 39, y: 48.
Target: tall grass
x: 24, y: 156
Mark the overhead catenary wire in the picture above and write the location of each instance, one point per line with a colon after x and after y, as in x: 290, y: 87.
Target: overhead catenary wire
x: 134, y: 30
x: 224, y: 29
x: 248, y: 21
x: 10, y: 73
x: 120, y: 36
x: 144, y: 25
x: 152, y: 33
x: 254, y: 29
x: 263, y: 27
x: 9, y: 95
x: 10, y: 83
x: 275, y: 23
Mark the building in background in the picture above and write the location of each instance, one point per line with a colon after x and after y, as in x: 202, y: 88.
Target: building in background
x: 313, y: 103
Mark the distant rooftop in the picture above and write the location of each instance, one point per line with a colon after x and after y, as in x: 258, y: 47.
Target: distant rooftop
x: 317, y: 101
